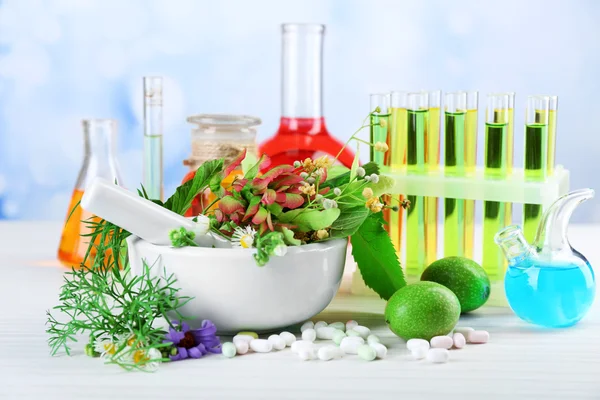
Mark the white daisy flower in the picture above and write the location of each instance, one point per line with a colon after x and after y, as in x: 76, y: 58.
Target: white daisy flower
x: 105, y: 346
x: 243, y: 237
x: 148, y: 360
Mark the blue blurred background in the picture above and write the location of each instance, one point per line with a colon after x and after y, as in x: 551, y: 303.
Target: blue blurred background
x: 64, y: 60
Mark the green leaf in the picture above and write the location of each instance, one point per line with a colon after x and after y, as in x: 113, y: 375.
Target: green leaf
x: 310, y: 220
x: 275, y: 209
x: 340, y: 180
x: 383, y: 186
x: 253, y: 171
x: 288, y: 237
x: 336, y: 170
x: 355, y: 164
x: 350, y: 219
x: 376, y: 257
x: 248, y: 162
x: 181, y: 200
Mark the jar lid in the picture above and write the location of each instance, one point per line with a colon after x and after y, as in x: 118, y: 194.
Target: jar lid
x: 224, y: 120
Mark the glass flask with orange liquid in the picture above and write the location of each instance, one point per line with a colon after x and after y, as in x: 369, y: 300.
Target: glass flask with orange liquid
x: 218, y: 136
x: 302, y: 131
x: 99, y: 137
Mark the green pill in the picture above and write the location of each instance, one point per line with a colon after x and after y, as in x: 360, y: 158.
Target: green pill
x: 228, y: 350
x: 366, y: 352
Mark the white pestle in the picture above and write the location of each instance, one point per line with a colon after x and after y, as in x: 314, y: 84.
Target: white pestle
x: 135, y: 214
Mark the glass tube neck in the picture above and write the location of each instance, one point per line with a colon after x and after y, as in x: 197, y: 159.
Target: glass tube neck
x: 302, y: 70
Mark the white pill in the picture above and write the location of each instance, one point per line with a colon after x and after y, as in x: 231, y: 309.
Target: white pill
x: 459, y: 340
x: 307, y: 325
x: 277, y: 342
x: 419, y: 353
x: 413, y: 344
x: 241, y: 346
x: 320, y: 324
x: 351, y: 324
x: 307, y: 354
x: 479, y: 337
x: 338, y: 325
x: 350, y: 344
x: 301, y: 345
x: 288, y: 337
x: 309, y: 334
x: 261, y: 345
x: 441, y: 342
x: 464, y: 330
x: 245, y: 338
x: 330, y: 352
x: 373, y: 339
x: 325, y: 332
x: 380, y: 349
x: 363, y: 331
x: 438, y: 356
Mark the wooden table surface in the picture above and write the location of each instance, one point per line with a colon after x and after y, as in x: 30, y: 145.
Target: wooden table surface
x: 519, y: 362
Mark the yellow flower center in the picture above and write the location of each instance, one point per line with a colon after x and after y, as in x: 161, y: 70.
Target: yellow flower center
x: 139, y: 357
x: 246, y: 241
x: 109, y: 348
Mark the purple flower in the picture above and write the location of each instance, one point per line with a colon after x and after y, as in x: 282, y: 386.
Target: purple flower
x: 193, y: 343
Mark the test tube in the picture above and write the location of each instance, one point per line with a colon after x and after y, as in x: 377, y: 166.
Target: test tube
x: 153, y: 137
x: 510, y: 148
x: 417, y: 122
x: 397, y: 144
x: 454, y: 165
x: 470, y: 166
x: 432, y: 161
x: 380, y: 118
x: 536, y: 156
x: 496, y: 166
x: 553, y: 107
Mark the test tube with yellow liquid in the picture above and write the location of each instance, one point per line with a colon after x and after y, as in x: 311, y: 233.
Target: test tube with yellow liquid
x: 397, y: 158
x: 454, y: 165
x: 510, y: 147
x: 417, y: 124
x: 552, y: 108
x: 536, y: 157
x: 470, y: 167
x: 495, y: 166
x: 432, y: 162
x: 380, y: 118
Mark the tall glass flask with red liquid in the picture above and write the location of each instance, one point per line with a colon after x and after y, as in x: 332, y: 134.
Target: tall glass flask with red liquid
x: 302, y: 131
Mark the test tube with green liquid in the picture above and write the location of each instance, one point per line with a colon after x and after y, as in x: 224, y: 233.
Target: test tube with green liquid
x: 510, y: 148
x: 470, y: 166
x: 552, y: 108
x: 495, y: 166
x: 417, y: 123
x: 536, y: 157
x: 380, y: 119
x: 454, y: 165
x: 397, y: 151
x: 432, y: 162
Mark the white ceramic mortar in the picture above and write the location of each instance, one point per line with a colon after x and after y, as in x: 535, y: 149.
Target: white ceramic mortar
x: 236, y: 294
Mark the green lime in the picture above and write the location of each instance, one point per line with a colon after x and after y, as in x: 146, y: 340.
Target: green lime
x: 422, y: 310
x: 467, y: 280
